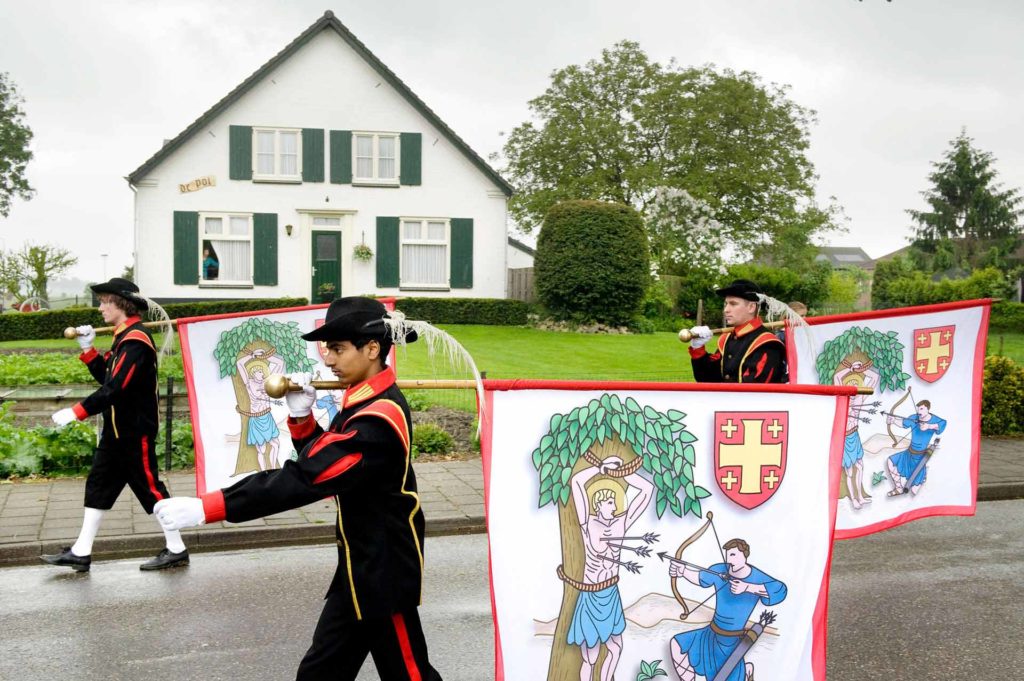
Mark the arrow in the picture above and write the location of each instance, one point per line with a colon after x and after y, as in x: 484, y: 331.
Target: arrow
x: 649, y: 538
x: 665, y: 556
x: 642, y: 551
x: 629, y: 565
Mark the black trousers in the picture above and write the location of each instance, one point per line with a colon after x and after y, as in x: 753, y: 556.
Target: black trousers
x: 340, y: 645
x: 128, y: 462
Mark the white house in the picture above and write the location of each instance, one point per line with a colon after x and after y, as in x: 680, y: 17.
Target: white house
x: 320, y: 151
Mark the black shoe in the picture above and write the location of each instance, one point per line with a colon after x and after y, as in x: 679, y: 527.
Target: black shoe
x: 166, y: 559
x: 65, y: 557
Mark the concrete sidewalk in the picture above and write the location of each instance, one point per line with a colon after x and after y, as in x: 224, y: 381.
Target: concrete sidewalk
x: 41, y: 517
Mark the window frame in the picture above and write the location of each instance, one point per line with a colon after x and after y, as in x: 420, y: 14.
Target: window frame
x: 402, y: 241
x: 250, y: 238
x: 276, y: 176
x: 376, y: 179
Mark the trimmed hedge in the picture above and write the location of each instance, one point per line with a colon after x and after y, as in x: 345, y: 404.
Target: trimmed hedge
x: 490, y: 311
x: 1007, y: 316
x: 896, y: 284
x: 1002, y: 400
x: 51, y: 323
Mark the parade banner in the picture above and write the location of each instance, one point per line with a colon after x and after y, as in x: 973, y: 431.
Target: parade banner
x: 238, y: 429
x: 911, y: 449
x: 643, y: 529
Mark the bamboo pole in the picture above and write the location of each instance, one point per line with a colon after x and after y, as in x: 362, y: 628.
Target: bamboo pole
x: 70, y: 333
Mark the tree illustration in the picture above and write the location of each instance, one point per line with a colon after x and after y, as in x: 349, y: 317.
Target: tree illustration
x: 641, y: 437
x: 257, y: 333
x: 884, y: 350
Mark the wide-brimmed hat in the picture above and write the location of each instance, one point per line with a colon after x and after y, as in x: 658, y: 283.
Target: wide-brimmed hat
x: 356, y: 318
x: 742, y: 288
x: 124, y: 288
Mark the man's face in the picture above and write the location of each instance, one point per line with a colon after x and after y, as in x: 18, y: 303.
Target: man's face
x: 922, y: 411
x: 111, y: 313
x: 738, y: 311
x: 735, y: 558
x: 350, y: 364
x: 606, y: 508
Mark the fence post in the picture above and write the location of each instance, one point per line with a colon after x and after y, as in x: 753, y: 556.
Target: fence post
x: 167, y: 425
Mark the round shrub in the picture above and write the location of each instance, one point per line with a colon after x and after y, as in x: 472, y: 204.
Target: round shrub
x: 1002, y: 400
x: 592, y: 262
x: 430, y: 438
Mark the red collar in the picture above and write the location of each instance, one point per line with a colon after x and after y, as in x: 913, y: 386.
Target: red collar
x: 126, y: 323
x: 369, y: 388
x: 752, y: 325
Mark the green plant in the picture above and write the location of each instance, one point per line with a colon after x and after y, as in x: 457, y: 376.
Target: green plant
x: 325, y: 292
x: 649, y: 670
x: 430, y: 438
x: 183, y: 453
x: 884, y: 350
x: 592, y: 262
x: 1002, y: 400
x: 1007, y: 316
x: 416, y: 400
x: 362, y: 252
x: 490, y: 311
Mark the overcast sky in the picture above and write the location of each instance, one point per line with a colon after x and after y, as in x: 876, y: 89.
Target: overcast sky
x: 892, y: 83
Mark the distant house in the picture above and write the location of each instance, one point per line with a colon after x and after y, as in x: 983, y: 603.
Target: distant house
x: 845, y: 256
x: 519, y: 255
x: 322, y: 150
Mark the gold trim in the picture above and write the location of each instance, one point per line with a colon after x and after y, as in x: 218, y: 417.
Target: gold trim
x: 360, y: 395
x: 113, y: 422
x: 348, y: 562
x: 415, y: 508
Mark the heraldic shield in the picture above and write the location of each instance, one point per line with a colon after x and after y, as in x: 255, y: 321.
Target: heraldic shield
x: 750, y: 454
x: 933, y: 352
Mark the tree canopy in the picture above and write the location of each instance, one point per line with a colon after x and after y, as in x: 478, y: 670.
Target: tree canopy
x: 15, y: 136
x: 620, y: 127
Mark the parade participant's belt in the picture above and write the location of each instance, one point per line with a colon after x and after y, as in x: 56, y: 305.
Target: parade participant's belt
x: 916, y: 452
x: 252, y: 414
x: 726, y: 632
x: 582, y: 586
x: 851, y: 431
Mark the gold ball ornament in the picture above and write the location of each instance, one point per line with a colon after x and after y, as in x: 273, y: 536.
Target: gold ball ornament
x: 276, y: 385
x: 70, y: 333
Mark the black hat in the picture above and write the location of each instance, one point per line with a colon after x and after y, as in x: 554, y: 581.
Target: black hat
x: 355, y: 318
x: 741, y: 288
x: 124, y: 288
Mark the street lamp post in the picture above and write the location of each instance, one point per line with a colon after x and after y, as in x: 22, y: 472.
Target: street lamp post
x: 104, y: 256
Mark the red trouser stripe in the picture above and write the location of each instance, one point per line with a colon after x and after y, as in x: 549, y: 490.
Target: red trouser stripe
x: 149, y: 473
x: 403, y: 643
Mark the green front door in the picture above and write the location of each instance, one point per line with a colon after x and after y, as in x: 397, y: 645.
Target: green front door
x: 326, y: 249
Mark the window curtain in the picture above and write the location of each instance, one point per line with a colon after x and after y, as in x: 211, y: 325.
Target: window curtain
x: 424, y: 264
x: 235, y: 260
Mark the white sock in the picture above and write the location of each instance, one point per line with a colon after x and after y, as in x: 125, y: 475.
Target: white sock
x: 174, y: 542
x: 90, y: 526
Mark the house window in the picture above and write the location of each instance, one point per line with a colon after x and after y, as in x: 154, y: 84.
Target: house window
x: 376, y: 157
x: 226, y: 242
x: 424, y: 259
x: 277, y: 154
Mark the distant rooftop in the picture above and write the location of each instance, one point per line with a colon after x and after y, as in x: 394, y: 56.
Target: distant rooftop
x: 845, y: 256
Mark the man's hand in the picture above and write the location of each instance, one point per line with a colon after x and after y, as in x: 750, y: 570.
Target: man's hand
x: 86, y: 336
x: 300, y: 402
x: 64, y: 417
x: 738, y: 587
x: 675, y: 570
x: 610, y: 464
x: 699, y: 336
x: 178, y: 513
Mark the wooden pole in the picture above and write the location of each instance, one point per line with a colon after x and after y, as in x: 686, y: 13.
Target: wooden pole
x: 277, y: 385
x: 70, y: 333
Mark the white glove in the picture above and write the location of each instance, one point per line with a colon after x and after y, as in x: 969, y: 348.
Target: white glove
x: 86, y: 336
x: 699, y: 336
x: 177, y: 513
x: 64, y: 417
x: 300, y: 402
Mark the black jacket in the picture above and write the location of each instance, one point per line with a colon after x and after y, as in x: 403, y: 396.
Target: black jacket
x: 749, y: 354
x: 363, y: 461
x: 128, y: 396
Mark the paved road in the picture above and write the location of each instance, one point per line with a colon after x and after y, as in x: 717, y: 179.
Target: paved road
x: 936, y: 599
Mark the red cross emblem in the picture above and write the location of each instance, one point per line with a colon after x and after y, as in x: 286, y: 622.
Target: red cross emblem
x: 750, y: 454
x: 933, y: 352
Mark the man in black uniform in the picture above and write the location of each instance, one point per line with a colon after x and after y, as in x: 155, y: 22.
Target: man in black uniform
x: 127, y: 399
x: 363, y: 461
x: 749, y: 353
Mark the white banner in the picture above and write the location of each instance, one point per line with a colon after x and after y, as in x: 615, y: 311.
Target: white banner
x: 911, y: 448
x: 238, y: 429
x: 597, y: 494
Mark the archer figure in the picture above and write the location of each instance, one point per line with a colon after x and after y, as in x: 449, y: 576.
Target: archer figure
x: 598, y: 617
x: 908, y: 469
x: 708, y: 651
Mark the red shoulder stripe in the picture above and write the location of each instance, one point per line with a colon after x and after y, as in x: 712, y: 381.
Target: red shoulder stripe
x: 328, y: 439
x: 137, y: 335
x: 390, y: 412
x: 338, y: 467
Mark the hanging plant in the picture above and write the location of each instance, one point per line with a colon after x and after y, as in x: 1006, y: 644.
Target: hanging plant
x: 362, y: 252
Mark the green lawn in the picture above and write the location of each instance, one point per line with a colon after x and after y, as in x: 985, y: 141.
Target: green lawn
x: 1008, y: 344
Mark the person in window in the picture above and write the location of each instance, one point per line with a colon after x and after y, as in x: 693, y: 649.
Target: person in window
x: 211, y: 266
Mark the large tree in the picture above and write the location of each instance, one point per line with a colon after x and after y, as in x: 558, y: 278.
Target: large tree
x: 969, y: 211
x: 43, y: 263
x: 619, y: 127
x: 15, y: 137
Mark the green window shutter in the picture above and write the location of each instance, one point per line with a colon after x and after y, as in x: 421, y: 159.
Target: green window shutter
x: 312, y: 155
x: 240, y: 143
x: 186, y: 247
x: 411, y: 150
x: 341, y: 156
x: 387, y: 252
x: 462, y: 253
x: 264, y: 243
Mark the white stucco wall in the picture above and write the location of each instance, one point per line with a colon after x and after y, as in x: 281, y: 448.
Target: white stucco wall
x: 518, y: 259
x: 324, y: 85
